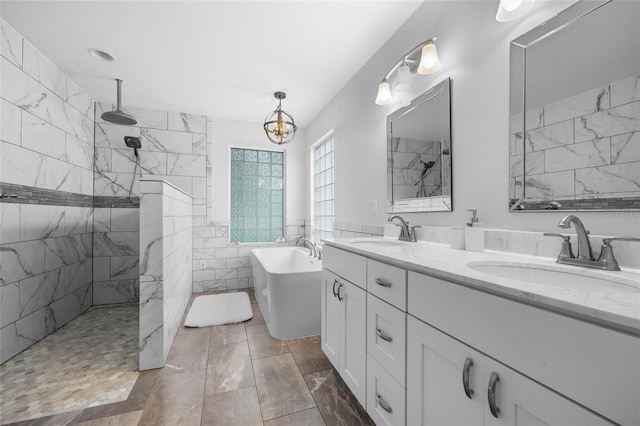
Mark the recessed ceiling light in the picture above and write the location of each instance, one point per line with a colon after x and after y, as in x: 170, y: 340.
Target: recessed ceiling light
x: 102, y: 55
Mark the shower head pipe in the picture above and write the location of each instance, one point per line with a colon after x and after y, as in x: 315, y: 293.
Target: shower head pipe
x: 118, y: 116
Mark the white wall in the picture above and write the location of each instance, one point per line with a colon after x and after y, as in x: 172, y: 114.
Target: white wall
x: 242, y: 134
x: 474, y: 51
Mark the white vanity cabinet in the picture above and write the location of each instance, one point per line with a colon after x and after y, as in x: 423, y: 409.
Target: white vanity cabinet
x: 436, y: 352
x: 550, y: 366
x: 452, y: 384
x: 344, y: 318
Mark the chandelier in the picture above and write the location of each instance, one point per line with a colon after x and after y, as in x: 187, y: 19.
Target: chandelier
x: 279, y: 124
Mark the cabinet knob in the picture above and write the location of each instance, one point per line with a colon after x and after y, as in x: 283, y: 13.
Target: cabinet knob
x: 381, y: 334
x: 491, y: 394
x: 468, y: 363
x: 382, y: 282
x: 386, y: 407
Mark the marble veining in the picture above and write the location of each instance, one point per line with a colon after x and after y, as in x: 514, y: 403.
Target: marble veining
x: 11, y: 43
x: 591, y: 135
x: 625, y: 148
x: 42, y: 137
x: 619, y: 178
x: 40, y: 68
x: 187, y: 122
x: 166, y: 267
x: 21, y: 260
x: 625, y: 91
x: 582, y: 104
x: 47, y: 157
x: 618, y: 120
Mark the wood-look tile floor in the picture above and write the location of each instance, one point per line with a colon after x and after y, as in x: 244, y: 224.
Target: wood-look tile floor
x: 232, y: 375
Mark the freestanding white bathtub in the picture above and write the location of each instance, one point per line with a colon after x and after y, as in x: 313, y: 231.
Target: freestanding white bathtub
x: 288, y: 288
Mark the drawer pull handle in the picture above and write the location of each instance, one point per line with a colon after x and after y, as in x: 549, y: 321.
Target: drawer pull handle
x: 491, y: 394
x: 335, y: 294
x: 338, y: 292
x: 386, y: 407
x: 383, y: 336
x: 468, y: 363
x: 382, y: 282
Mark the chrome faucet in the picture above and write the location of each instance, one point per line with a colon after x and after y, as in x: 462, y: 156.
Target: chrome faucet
x: 313, y: 249
x: 406, y: 233
x: 584, y: 250
x: 606, y: 259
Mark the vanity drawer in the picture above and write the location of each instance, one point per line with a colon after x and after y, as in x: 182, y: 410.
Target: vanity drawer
x: 386, y: 399
x: 592, y: 365
x: 387, y: 337
x: 351, y: 267
x: 387, y: 282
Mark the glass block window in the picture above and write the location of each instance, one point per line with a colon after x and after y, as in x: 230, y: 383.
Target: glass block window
x: 257, y: 196
x: 323, y: 188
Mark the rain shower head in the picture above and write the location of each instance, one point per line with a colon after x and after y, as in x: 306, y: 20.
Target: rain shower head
x: 118, y: 116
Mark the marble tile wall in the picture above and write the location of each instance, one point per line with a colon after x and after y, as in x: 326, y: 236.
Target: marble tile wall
x: 46, y: 144
x: 411, y: 179
x: 584, y: 146
x: 228, y: 265
x: 165, y: 268
x: 174, y: 148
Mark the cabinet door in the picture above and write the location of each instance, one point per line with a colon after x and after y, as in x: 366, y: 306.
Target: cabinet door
x: 385, y: 396
x: 435, y: 389
x: 353, y: 345
x: 519, y: 400
x: 387, y: 337
x: 332, y: 318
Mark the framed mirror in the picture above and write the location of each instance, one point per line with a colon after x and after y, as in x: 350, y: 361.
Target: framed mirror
x: 575, y: 110
x: 419, y: 153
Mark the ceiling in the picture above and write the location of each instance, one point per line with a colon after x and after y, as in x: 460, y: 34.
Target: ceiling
x: 220, y: 58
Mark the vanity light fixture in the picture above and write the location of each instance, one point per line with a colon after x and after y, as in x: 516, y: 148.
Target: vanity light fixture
x: 422, y: 59
x: 279, y: 125
x: 509, y: 10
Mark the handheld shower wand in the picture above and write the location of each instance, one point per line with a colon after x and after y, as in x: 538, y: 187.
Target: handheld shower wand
x: 134, y: 142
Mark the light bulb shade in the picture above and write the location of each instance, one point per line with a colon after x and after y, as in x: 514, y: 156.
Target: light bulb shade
x: 429, y: 61
x: 403, y: 81
x: 280, y: 127
x: 384, y: 94
x: 512, y: 9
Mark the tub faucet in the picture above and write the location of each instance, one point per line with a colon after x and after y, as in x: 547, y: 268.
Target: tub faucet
x: 406, y: 233
x: 313, y: 250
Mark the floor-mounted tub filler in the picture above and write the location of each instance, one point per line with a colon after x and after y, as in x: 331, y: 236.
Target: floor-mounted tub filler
x: 288, y: 289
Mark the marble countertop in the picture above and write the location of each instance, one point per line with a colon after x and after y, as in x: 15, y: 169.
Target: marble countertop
x: 615, y: 305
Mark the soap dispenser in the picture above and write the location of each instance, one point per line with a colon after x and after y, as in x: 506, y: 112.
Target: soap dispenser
x: 474, y: 233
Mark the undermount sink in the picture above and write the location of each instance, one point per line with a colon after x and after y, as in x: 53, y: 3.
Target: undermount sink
x: 552, y: 275
x: 378, y: 241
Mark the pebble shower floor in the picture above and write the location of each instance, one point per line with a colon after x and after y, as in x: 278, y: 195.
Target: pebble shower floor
x: 91, y: 361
